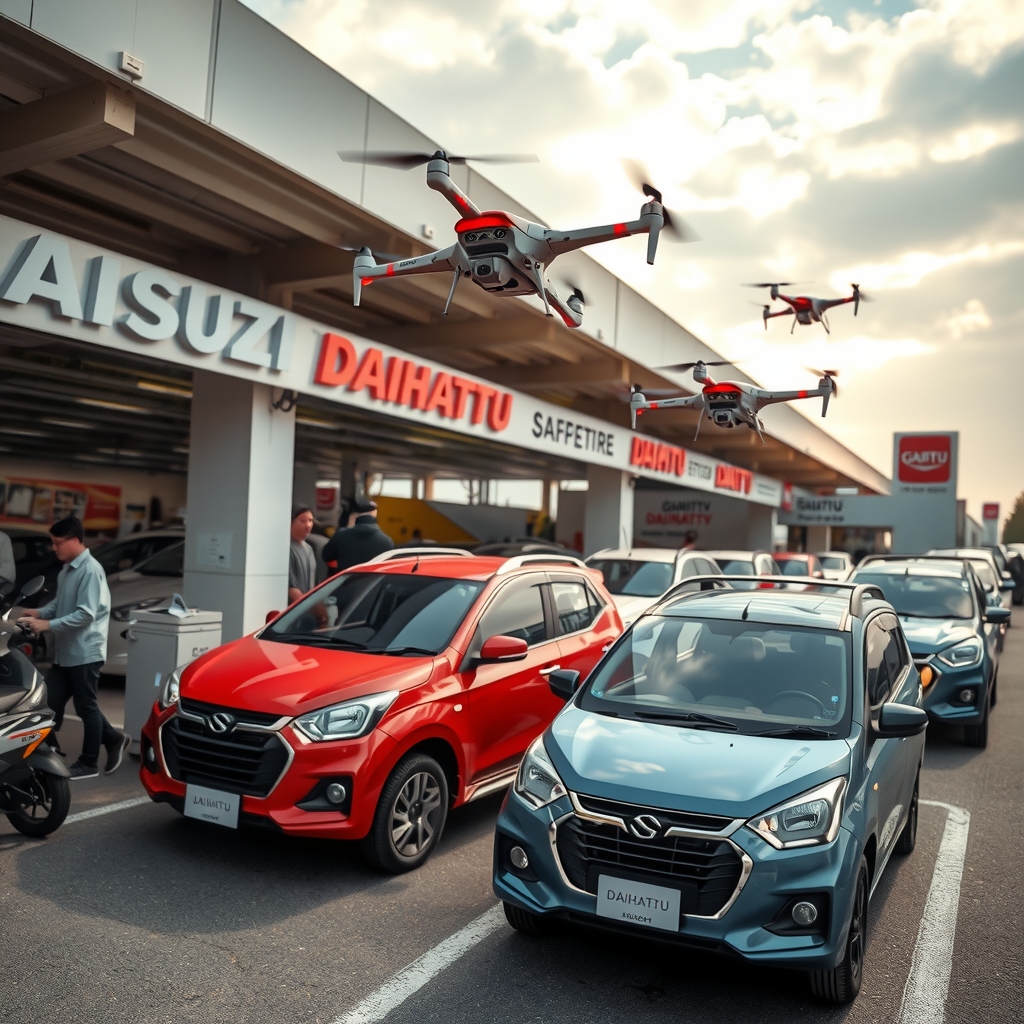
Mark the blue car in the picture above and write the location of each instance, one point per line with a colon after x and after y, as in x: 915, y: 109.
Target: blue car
x: 733, y: 776
x: 953, y: 627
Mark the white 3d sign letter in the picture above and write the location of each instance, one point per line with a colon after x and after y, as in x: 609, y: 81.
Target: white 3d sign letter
x: 205, y: 323
x: 141, y: 292
x: 43, y: 270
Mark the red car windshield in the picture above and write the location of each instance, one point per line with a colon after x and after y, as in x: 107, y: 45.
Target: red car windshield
x: 794, y: 566
x: 379, y: 613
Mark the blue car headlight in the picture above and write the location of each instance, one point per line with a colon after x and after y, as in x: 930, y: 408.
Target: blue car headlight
x: 810, y: 819
x: 965, y: 654
x: 346, y: 721
x: 537, y: 782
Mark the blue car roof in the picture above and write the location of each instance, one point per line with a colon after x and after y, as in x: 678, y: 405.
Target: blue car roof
x: 816, y: 609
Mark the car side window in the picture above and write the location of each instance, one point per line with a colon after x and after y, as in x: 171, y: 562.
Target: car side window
x: 519, y: 613
x: 896, y: 659
x: 876, y: 664
x: 573, y: 608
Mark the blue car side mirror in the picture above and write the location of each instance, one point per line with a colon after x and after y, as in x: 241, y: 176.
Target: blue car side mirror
x: 901, y: 720
x: 563, y: 682
x: 997, y: 616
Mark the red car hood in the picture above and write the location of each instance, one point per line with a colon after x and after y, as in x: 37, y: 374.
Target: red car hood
x: 287, y: 679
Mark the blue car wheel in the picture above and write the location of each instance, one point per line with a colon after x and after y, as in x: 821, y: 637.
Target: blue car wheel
x: 842, y: 983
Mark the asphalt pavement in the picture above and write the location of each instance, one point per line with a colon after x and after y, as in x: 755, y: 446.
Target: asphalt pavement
x: 141, y: 915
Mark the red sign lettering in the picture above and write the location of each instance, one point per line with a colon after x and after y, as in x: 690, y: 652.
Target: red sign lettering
x: 732, y: 478
x: 662, y: 458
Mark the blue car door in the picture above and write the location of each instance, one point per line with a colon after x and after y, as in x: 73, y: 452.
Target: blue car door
x: 886, y: 757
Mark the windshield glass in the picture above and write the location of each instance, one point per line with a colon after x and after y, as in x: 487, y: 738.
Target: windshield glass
x: 170, y: 562
x: 926, y: 597
x: 381, y: 613
x: 751, y: 677
x: 636, y: 579
x: 831, y: 562
x: 735, y: 567
x: 794, y: 566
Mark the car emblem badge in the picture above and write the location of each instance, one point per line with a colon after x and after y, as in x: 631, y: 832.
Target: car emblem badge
x: 221, y: 722
x: 645, y: 826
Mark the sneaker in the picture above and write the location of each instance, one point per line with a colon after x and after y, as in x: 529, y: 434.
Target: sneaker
x: 115, y: 754
x: 83, y: 771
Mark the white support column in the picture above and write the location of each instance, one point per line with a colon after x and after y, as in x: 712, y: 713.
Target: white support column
x: 819, y: 538
x: 608, y: 522
x: 240, y: 465
x: 761, y: 520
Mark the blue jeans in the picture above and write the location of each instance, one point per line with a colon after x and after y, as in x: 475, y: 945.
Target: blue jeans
x: 79, y: 683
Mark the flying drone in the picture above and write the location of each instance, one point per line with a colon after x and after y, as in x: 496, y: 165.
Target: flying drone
x: 805, y: 309
x: 731, y: 403
x: 501, y: 253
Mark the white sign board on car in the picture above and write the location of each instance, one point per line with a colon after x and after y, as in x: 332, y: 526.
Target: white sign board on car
x: 653, y: 906
x: 212, y: 805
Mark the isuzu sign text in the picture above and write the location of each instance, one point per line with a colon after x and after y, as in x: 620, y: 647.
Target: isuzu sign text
x: 924, y: 459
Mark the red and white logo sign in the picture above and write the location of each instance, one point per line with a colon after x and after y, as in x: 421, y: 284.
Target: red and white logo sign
x: 990, y: 510
x: 925, y: 459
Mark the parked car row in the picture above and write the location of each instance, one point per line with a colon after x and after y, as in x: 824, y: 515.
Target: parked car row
x: 402, y: 688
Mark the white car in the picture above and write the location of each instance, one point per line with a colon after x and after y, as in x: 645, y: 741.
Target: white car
x: 637, y: 577
x: 745, y: 563
x: 148, y: 584
x: 835, y: 565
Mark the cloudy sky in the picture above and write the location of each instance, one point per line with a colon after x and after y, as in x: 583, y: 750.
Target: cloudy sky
x: 822, y: 142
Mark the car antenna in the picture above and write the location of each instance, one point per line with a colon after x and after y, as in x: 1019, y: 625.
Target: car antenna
x: 746, y: 610
x: 416, y: 567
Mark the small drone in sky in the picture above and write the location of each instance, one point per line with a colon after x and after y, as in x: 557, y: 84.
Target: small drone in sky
x: 731, y: 403
x: 805, y: 309
x: 502, y: 253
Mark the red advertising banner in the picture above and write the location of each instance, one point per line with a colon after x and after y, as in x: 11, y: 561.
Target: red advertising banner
x: 28, y: 502
x: 924, y: 459
x: 990, y: 510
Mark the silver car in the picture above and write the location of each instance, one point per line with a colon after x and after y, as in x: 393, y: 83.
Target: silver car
x: 150, y: 583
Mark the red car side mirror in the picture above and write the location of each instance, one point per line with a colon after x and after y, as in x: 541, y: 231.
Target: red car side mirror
x: 503, y: 648
x: 271, y: 616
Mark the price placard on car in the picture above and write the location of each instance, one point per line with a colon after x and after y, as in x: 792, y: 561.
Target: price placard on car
x: 212, y: 805
x: 653, y: 906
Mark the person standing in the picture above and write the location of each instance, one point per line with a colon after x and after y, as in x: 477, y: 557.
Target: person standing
x: 78, y: 617
x: 8, y: 571
x: 362, y: 541
x: 689, y: 541
x: 301, y: 559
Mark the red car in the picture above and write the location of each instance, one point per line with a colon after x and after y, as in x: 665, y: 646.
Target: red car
x: 796, y: 563
x: 392, y: 692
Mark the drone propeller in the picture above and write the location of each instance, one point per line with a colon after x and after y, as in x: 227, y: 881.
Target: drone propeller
x: 859, y: 297
x: 378, y: 255
x: 575, y: 289
x: 674, y: 224
x: 404, y: 160
x: 683, y: 367
x: 830, y: 374
x: 626, y: 391
x: 769, y: 284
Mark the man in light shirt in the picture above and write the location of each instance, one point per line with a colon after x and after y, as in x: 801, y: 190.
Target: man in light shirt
x: 301, y: 559
x: 78, y: 618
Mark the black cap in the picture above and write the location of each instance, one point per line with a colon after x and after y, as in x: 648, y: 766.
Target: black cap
x: 297, y: 511
x: 363, y: 505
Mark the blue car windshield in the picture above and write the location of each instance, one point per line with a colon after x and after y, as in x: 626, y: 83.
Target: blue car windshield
x: 746, y: 676
x: 923, y: 597
x: 379, y: 613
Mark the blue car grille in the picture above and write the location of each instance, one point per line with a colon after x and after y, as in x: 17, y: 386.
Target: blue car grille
x: 238, y: 762
x: 670, y: 819
x: 706, y: 871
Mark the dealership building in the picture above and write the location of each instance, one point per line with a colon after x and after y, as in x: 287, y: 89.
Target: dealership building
x: 177, y: 330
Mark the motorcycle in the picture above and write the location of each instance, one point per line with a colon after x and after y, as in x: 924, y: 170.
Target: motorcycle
x: 34, y: 790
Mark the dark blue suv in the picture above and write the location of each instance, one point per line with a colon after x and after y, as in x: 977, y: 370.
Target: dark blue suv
x: 734, y: 776
x: 953, y: 629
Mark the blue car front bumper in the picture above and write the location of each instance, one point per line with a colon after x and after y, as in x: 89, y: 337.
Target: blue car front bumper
x: 770, y: 881
x: 942, y: 698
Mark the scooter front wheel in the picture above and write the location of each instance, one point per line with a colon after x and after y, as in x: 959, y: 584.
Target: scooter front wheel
x: 41, y: 803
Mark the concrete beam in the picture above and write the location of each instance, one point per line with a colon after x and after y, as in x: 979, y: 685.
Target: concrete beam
x: 67, y: 124
x: 471, y: 334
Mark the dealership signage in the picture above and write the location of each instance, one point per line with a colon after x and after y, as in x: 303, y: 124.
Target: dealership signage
x: 57, y: 285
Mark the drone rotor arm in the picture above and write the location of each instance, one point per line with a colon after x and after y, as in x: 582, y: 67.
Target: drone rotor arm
x: 365, y: 270
x: 569, y: 241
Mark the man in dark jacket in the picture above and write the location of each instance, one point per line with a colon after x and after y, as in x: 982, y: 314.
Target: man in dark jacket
x: 361, y: 541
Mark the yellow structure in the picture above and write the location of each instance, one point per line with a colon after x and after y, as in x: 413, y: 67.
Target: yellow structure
x: 399, y: 517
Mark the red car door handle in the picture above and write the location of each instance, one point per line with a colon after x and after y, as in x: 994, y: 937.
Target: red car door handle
x: 551, y: 668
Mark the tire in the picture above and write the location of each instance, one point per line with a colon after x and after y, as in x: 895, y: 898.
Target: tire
x: 523, y: 921
x: 47, y: 815
x: 410, y: 816
x: 842, y: 983
x: 908, y: 837
x: 977, y: 735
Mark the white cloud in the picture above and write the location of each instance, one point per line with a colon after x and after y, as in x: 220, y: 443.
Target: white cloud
x: 973, y: 317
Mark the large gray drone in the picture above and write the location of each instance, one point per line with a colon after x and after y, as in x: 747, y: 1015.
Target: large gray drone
x: 731, y: 403
x: 502, y: 253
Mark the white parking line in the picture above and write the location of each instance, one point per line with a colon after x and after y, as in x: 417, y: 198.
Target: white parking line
x: 377, y: 1005
x: 924, y: 997
x: 95, y: 812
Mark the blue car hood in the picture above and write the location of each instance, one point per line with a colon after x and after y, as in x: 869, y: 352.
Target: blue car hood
x: 926, y: 636
x: 699, y: 770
